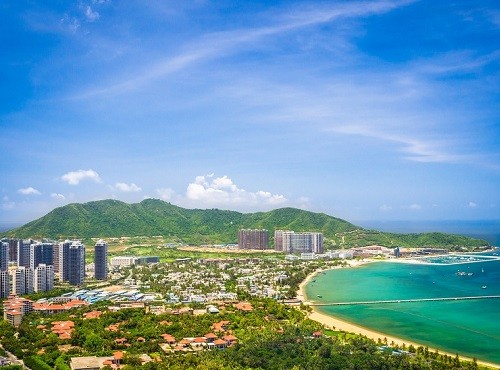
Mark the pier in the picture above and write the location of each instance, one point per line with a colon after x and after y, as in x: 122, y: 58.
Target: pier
x: 402, y: 300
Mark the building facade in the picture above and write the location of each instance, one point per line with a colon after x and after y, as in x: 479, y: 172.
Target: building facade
x: 23, y: 252
x: 4, y: 256
x: 76, y: 263
x: 22, y: 282
x: 15, y: 308
x: 122, y: 261
x: 292, y: 242
x: 43, y: 278
x: 4, y: 284
x: 253, y: 239
x: 101, y: 260
x: 41, y: 253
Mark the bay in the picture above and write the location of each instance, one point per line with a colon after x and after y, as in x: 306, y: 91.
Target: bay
x: 467, y: 327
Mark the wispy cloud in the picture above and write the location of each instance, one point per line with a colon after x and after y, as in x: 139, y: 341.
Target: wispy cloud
x: 90, y: 14
x: 7, y: 204
x: 75, y: 177
x: 418, y: 150
x: 57, y: 196
x: 220, y: 44
x: 29, y: 191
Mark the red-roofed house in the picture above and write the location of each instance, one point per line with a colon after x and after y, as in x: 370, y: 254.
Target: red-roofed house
x: 230, y: 339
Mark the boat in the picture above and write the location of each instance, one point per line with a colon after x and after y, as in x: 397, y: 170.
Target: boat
x: 484, y: 287
x: 320, y: 296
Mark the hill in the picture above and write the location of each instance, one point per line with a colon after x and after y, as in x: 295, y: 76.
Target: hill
x: 113, y: 218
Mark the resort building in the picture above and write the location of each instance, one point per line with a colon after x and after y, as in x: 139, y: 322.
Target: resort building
x: 292, y: 242
x: 14, y: 308
x: 253, y: 239
x: 120, y: 261
x: 124, y: 261
x: 101, y: 260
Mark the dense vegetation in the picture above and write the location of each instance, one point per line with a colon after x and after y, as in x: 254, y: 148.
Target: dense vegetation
x: 112, y: 218
x: 274, y: 336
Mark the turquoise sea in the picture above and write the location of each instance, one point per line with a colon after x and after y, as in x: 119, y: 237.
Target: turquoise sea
x: 467, y: 327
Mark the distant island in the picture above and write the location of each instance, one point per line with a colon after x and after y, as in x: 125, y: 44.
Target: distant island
x: 113, y: 218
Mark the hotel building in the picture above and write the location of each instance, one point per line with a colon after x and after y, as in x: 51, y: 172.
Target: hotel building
x: 253, y: 239
x: 292, y: 242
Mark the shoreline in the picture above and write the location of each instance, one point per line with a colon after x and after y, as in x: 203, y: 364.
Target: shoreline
x: 332, y: 322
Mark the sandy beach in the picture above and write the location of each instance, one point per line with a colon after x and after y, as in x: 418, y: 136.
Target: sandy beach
x: 341, y: 325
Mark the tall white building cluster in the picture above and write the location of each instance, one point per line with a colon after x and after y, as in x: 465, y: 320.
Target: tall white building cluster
x: 303, y: 242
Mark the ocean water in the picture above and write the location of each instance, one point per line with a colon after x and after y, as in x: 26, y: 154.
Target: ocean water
x: 467, y: 327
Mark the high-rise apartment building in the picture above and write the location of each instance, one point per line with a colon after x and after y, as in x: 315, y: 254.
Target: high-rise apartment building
x: 292, y: 242
x: 4, y: 284
x: 23, y: 252
x: 43, y: 278
x: 63, y: 260
x: 55, y: 257
x: 41, y: 253
x: 4, y: 256
x: 13, y: 250
x: 253, y: 239
x: 76, y: 263
x: 101, y: 260
x: 22, y: 282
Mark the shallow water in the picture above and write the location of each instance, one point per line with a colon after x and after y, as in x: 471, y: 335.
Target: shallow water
x: 467, y: 327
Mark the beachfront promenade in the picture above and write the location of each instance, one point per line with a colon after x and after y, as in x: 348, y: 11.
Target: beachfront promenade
x: 312, y: 303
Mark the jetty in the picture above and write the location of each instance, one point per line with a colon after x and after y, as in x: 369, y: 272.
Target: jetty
x: 312, y: 303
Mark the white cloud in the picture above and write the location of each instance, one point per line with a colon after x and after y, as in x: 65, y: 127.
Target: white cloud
x: 57, y: 196
x: 74, y: 177
x: 211, y: 191
x: 127, y: 188
x: 29, y: 191
x: 472, y: 205
x: 415, y: 207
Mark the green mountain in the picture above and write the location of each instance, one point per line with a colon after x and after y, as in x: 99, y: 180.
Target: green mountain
x: 112, y: 218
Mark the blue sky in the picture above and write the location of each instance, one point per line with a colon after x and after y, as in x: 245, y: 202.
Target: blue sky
x: 376, y: 110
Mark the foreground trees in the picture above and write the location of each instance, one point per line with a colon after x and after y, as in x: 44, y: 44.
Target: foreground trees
x: 272, y: 336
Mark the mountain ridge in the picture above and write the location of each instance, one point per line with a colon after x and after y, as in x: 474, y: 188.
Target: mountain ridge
x: 114, y: 218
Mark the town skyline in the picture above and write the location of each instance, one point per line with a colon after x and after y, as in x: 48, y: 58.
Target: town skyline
x: 384, y: 111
